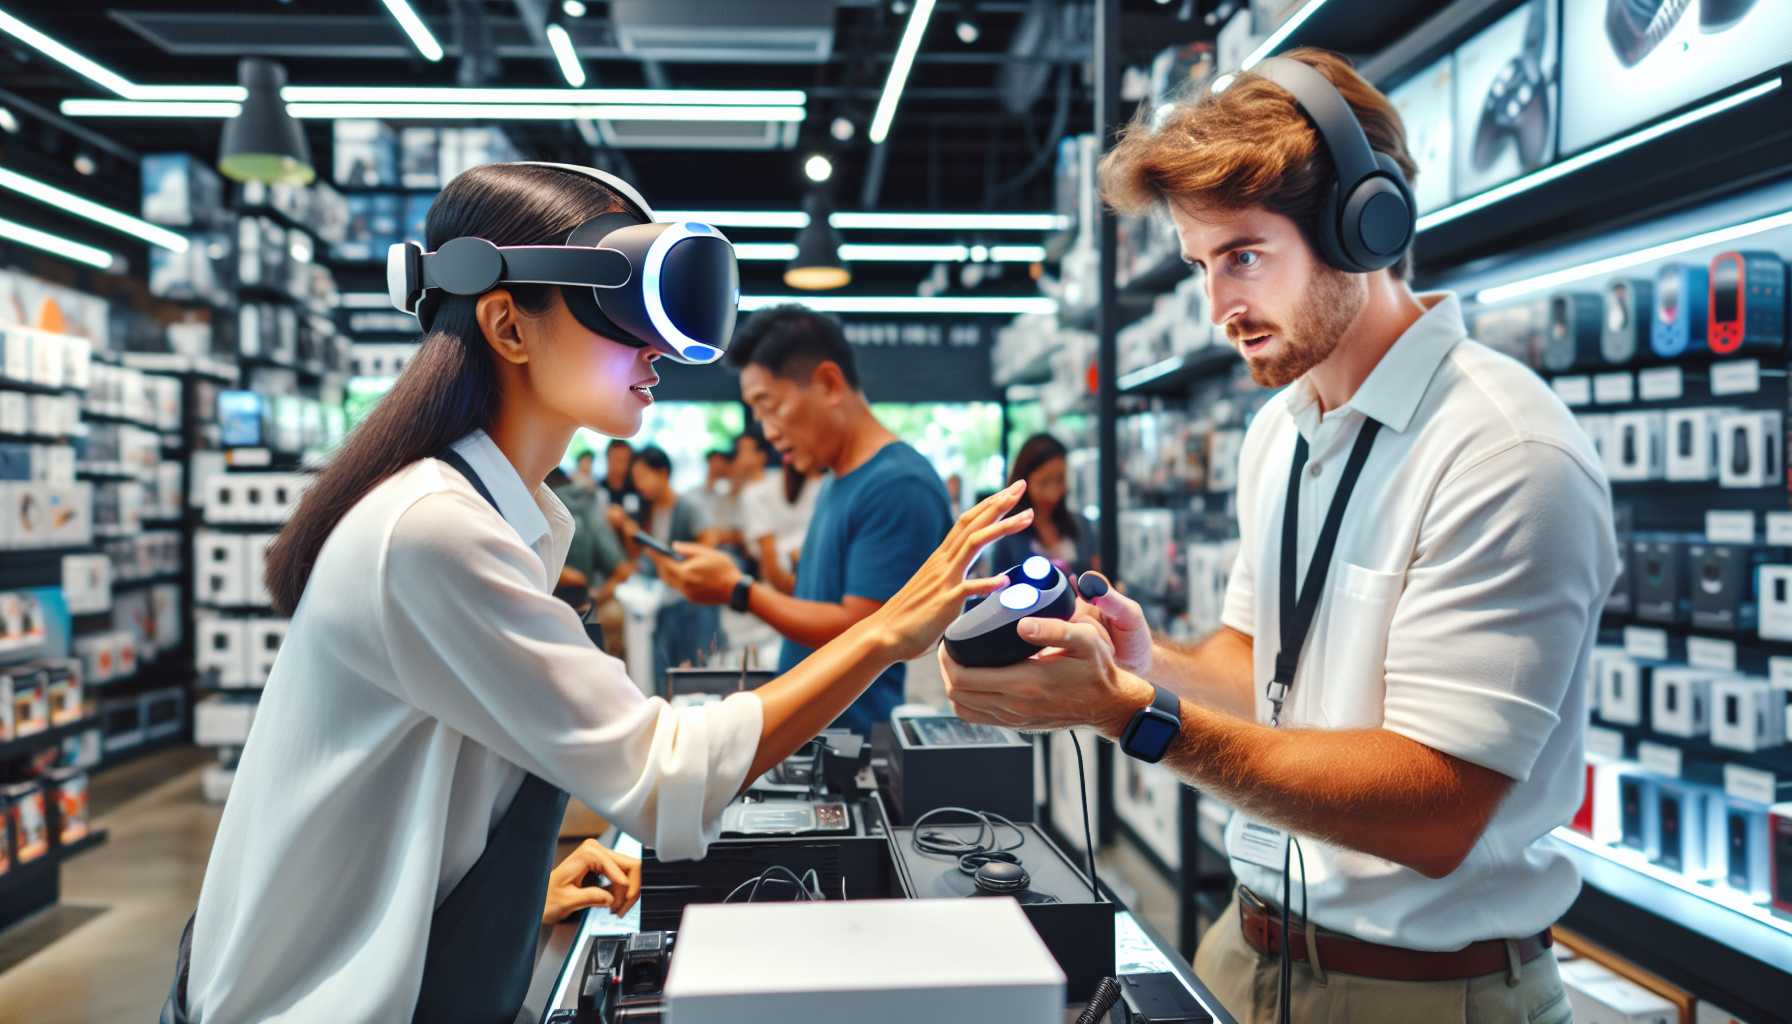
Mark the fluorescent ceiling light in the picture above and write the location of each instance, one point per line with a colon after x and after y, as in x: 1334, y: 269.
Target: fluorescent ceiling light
x: 449, y: 94
x: 175, y: 109
x: 565, y: 55
x: 867, y: 253
x: 1128, y: 381
x: 64, y: 247
x: 881, y: 221
x: 91, y: 70
x: 1592, y: 156
x: 413, y: 26
x: 69, y: 202
x: 1613, y: 264
x: 951, y: 221
x: 535, y: 112
x: 1275, y: 39
x: 945, y: 305
x: 899, y: 69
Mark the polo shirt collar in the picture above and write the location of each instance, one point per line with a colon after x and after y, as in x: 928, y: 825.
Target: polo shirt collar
x: 516, y: 503
x: 1394, y: 389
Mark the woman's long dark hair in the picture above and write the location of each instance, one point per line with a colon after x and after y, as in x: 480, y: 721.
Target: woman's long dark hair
x: 1039, y: 450
x: 450, y: 387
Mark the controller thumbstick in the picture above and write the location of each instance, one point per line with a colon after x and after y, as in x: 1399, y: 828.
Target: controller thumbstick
x: 1091, y: 585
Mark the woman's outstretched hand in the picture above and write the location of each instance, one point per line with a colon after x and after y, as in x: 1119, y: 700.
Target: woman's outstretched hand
x: 915, y: 617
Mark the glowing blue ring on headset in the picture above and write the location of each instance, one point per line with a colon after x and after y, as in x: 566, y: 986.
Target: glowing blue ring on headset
x: 650, y: 289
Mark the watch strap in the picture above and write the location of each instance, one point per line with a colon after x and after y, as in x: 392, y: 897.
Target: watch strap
x: 743, y: 589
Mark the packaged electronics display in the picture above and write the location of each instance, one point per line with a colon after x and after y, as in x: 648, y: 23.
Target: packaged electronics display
x: 180, y: 190
x: 242, y: 419
x: 1657, y: 568
x: 67, y: 795
x: 1576, y: 325
x: 30, y: 820
x: 1747, y: 304
x: 1681, y: 294
x: 1636, y: 450
x: 1627, y: 62
x: 1506, y: 100
x: 1425, y: 103
x: 1629, y: 313
x: 1692, y: 444
x: 366, y: 155
x: 374, y: 221
x: 1749, y: 449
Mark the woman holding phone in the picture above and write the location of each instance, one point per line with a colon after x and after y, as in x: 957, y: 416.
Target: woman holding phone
x: 386, y: 848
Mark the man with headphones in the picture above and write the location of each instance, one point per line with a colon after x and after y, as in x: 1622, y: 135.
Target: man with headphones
x: 1396, y: 700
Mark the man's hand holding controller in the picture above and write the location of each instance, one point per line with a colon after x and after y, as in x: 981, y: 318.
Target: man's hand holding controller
x: 1119, y: 616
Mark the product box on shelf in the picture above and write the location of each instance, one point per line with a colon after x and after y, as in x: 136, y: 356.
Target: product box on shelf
x: 30, y: 820
x: 221, y: 568
x: 1636, y: 813
x: 1658, y: 570
x: 1598, y: 816
x: 1681, y: 817
x: 1774, y: 595
x: 66, y: 789
x: 1598, y: 428
x: 1681, y: 292
x: 373, y: 225
x: 165, y: 605
x: 30, y: 700
x: 1571, y: 340
x: 1692, y: 444
x: 1681, y: 701
x: 1636, y: 452
x: 1748, y: 452
x: 1629, y: 311
x: 1779, y: 821
x: 15, y: 416
x: 180, y: 190
x: 1747, y: 714
x: 1747, y: 849
x: 1721, y: 578
x: 264, y: 639
x: 1747, y: 303
x: 223, y: 721
x: 222, y: 647
x: 65, y: 692
x: 6, y: 855
x: 100, y: 656
x: 366, y: 154
x: 22, y: 624
x: 8, y: 731
x: 1623, y: 690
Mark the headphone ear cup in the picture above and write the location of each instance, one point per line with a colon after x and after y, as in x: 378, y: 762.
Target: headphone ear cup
x: 1376, y: 222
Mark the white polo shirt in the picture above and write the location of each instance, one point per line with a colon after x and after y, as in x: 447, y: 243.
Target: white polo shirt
x: 427, y: 668
x: 1460, y: 612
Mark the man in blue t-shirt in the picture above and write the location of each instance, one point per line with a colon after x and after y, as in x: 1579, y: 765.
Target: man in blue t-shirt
x: 877, y: 519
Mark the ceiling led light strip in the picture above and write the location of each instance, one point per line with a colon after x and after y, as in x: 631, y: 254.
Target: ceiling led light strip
x: 944, y: 305
x: 537, y: 112
x: 564, y: 55
x: 1613, y: 264
x: 176, y: 109
x: 912, y: 33
x: 60, y: 246
x: 881, y: 221
x: 69, y: 202
x: 784, y: 251
x: 91, y: 70
x: 1275, y: 39
x: 1593, y: 156
x: 413, y: 26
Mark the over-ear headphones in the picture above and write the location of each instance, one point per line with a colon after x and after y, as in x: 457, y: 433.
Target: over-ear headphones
x: 674, y: 287
x: 1366, y: 220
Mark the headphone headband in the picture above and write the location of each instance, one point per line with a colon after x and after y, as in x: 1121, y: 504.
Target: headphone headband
x: 1330, y: 114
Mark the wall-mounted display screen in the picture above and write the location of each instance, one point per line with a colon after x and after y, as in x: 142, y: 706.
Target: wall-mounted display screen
x: 1506, y: 98
x: 1625, y: 62
x: 1427, y: 109
x: 241, y: 415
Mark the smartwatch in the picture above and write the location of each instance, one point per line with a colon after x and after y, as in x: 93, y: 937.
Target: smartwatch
x: 1153, y: 728
x: 742, y: 589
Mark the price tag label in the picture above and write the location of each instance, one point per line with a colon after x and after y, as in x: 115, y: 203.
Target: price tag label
x: 1743, y: 783
x: 1730, y: 527
x: 1779, y: 673
x: 1573, y: 391
x: 1614, y: 388
x: 1779, y: 528
x: 249, y: 458
x: 1643, y: 642
x: 1605, y: 743
x: 1661, y: 384
x: 1658, y: 759
x: 1717, y: 655
x: 1736, y: 377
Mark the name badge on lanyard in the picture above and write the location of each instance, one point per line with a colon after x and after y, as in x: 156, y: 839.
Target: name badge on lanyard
x: 1299, y: 606
x: 1255, y: 842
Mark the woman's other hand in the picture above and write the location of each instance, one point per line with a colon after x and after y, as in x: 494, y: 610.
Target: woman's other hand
x: 915, y: 617
x: 568, y: 893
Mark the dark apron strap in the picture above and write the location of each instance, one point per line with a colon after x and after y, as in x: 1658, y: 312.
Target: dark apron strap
x: 482, y: 939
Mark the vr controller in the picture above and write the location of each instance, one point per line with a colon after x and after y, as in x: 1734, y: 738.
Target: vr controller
x: 987, y: 635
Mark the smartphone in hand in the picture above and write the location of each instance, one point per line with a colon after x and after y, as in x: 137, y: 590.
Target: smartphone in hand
x: 648, y: 540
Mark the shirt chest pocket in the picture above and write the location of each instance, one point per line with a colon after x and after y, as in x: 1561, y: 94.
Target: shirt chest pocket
x: 1352, y: 681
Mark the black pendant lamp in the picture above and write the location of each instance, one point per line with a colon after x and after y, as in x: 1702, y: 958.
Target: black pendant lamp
x: 263, y: 143
x: 818, y: 266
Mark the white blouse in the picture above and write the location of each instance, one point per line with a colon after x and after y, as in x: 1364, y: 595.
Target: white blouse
x: 427, y: 668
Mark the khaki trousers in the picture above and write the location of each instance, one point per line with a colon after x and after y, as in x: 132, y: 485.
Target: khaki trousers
x: 1248, y: 985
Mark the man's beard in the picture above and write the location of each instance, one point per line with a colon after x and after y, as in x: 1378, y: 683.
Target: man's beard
x: 1333, y: 301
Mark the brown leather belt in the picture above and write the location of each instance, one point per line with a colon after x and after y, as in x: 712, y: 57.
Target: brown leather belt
x: 1262, y: 925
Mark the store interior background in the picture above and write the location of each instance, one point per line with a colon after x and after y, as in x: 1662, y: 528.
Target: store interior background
x: 990, y: 297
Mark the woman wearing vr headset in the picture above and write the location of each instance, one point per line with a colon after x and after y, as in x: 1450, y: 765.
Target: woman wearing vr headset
x: 386, y: 848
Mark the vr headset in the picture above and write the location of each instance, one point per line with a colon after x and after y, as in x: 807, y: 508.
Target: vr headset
x: 673, y: 287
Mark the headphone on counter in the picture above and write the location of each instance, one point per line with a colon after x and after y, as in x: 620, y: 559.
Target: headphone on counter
x: 1367, y: 218
x: 674, y: 287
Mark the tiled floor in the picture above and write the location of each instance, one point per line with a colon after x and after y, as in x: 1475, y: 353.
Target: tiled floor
x: 106, y: 953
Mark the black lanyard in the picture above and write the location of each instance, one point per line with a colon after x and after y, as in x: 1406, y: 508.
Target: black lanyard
x: 1297, y: 615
